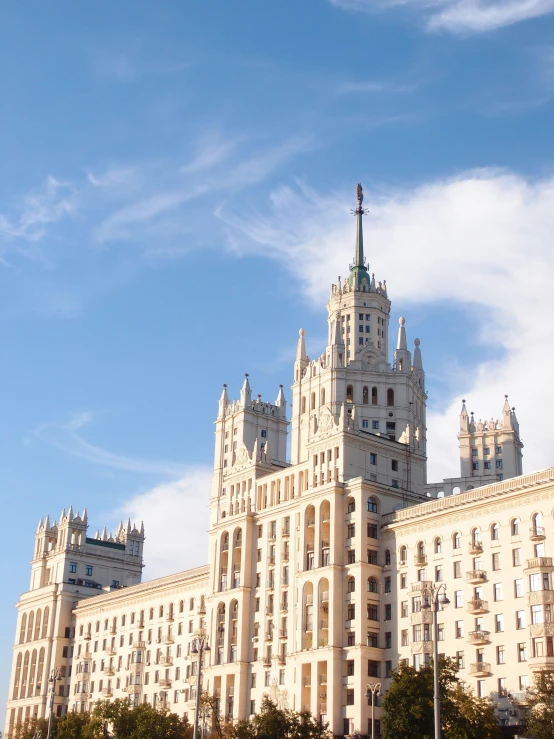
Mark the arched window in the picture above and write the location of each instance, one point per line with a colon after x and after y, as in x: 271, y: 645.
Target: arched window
x: 40, y: 668
x: 365, y: 395
x: 312, y: 403
x: 181, y: 606
x: 495, y: 532
x: 238, y: 539
x: 24, y: 675
x: 403, y: 554
x: 390, y: 396
x: 372, y: 585
x: 350, y: 505
x: 303, y: 404
x: 191, y: 604
x: 372, y: 506
x: 15, y: 694
x: 37, y: 624
x: 515, y: 526
x: 123, y: 619
x: 476, y: 535
x: 30, y: 625
x: 161, y: 611
x: 387, y: 556
x: 151, y: 613
x: 421, y: 549
x: 373, y: 396
x: 23, y: 630
x: 538, y: 529
x: 456, y: 540
x: 323, y: 396
x: 350, y: 585
x: 438, y: 545
x: 349, y: 394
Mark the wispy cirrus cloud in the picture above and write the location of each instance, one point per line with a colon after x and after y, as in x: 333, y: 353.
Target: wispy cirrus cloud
x: 459, y: 16
x: 67, y: 438
x: 40, y: 207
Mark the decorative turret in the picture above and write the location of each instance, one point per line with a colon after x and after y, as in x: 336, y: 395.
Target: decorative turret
x: 281, y: 403
x: 464, y: 418
x: 402, y: 359
x: 223, y: 402
x: 301, y: 361
x: 245, y: 393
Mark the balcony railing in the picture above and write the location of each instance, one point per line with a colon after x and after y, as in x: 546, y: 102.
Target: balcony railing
x: 479, y: 637
x: 480, y: 669
x: 476, y: 547
x: 539, y: 563
x: 477, y: 606
x: 107, y: 692
x: 420, y: 560
x: 476, y: 576
x: 537, y: 533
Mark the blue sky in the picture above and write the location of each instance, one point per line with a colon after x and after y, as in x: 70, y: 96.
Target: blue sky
x: 174, y: 204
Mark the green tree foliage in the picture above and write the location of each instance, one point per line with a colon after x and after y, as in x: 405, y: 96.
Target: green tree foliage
x: 120, y: 720
x: 276, y: 723
x: 540, y: 715
x: 409, y: 712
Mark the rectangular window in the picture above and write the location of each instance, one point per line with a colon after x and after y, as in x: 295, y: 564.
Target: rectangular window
x: 459, y: 629
x: 372, y: 557
x: 403, y: 581
x: 482, y: 688
x: 498, y: 464
x: 499, y: 622
x: 372, y: 458
x: 373, y: 668
x: 500, y: 657
x: 520, y: 619
x: 458, y: 599
x: 388, y: 612
x: 516, y: 557
x: 522, y: 652
x: 496, y: 561
x: 375, y: 424
x: 388, y: 585
x: 457, y: 569
x: 460, y: 660
x: 350, y: 668
x: 487, y: 464
x: 438, y: 573
x: 88, y: 570
x: 372, y: 530
x: 404, y: 638
x: 498, y: 450
x: 365, y: 424
x: 498, y: 594
x: 394, y: 465
x: 372, y: 639
x: 351, y: 530
x: 518, y: 588
x: 372, y: 612
x: 360, y: 340
x: 404, y: 609
x: 476, y: 465
x: 474, y: 452
x: 73, y: 566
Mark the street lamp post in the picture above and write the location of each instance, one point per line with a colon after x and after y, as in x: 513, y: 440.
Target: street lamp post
x: 373, y: 689
x: 433, y: 598
x: 52, y: 680
x: 200, y: 646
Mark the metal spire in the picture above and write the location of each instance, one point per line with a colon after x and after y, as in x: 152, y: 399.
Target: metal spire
x: 358, y: 270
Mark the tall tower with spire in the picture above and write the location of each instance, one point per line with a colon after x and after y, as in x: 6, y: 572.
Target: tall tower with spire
x: 353, y: 386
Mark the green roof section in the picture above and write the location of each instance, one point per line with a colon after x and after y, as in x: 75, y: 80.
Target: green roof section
x: 358, y: 270
x: 106, y: 544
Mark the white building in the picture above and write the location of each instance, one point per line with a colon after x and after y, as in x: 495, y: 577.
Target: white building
x: 315, y: 565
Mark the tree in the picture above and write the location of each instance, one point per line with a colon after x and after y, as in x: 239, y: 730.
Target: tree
x: 30, y: 727
x: 540, y: 714
x: 276, y: 723
x: 409, y: 709
x: 120, y: 720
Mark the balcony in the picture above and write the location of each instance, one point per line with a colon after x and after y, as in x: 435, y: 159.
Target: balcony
x: 268, y: 636
x: 140, y: 645
x: 267, y: 662
x: 421, y: 617
x: 167, y: 638
x: 170, y: 618
x: 419, y: 587
x: 307, y: 681
x: 323, y: 678
x: 540, y: 597
x: 109, y: 651
x: 86, y: 656
x: 476, y: 548
x: 87, y: 637
x: 107, y: 692
x: 166, y: 660
x: 113, y: 631
x: 109, y: 671
x: 538, y: 564
x: 518, y: 698
x: 285, y: 532
x: 541, y: 664
x: 420, y: 560
x: 478, y: 637
x: 283, y: 635
x: 310, y: 523
x: 480, y: 669
x: 537, y: 533
x: 422, y: 647
x: 135, y: 688
x: 165, y: 682
x: 281, y: 660
x: 201, y: 610
x: 475, y: 577
x: 542, y: 629
x: 271, y: 559
x: 477, y: 606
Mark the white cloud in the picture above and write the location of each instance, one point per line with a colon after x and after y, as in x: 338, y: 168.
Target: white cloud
x: 114, y: 65
x: 175, y: 516
x: 38, y: 209
x: 65, y: 438
x: 460, y: 16
x: 483, y: 241
x: 112, y: 177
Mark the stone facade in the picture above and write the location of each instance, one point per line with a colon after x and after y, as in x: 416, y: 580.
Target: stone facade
x: 316, y: 565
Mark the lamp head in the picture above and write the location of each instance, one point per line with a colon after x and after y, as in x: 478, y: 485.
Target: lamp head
x: 444, y: 601
x: 426, y: 604
x: 207, y: 648
x: 194, y: 650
